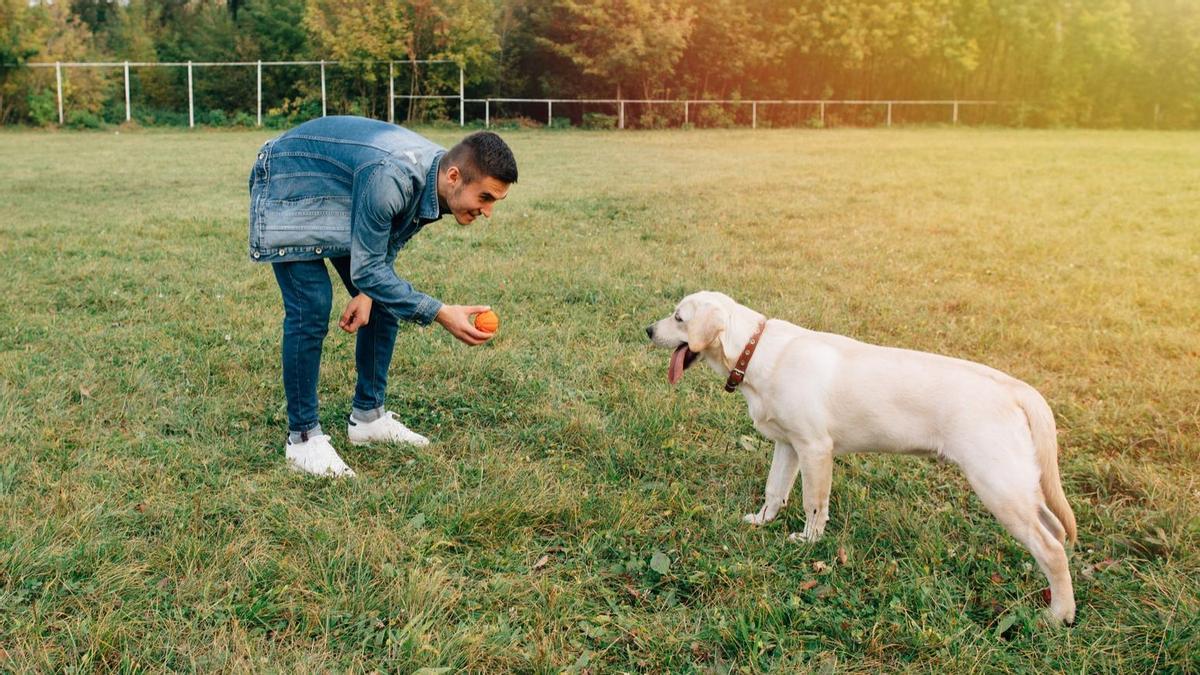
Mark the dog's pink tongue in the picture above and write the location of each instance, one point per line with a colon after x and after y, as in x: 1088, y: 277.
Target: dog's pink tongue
x: 675, y: 370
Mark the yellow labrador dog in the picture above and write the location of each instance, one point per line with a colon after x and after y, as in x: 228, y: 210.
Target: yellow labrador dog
x: 818, y: 395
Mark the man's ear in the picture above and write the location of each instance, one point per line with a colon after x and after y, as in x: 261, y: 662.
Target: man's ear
x: 705, y: 327
x: 453, y: 175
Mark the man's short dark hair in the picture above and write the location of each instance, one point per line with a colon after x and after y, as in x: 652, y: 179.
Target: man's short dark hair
x: 483, y: 153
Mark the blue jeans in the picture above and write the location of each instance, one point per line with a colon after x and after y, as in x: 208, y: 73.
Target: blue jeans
x: 307, y: 301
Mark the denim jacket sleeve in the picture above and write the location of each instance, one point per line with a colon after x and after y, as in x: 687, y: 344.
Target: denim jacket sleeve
x: 380, y: 193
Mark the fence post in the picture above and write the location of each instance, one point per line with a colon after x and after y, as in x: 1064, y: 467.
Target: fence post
x: 322, y: 87
x: 549, y: 114
x: 487, y: 113
x: 685, y: 113
x: 391, y: 92
x: 889, y: 113
x: 621, y: 115
x: 822, y: 114
x: 58, y: 79
x: 191, y: 103
x: 955, y: 120
x: 127, y: 114
x: 462, y: 101
x: 258, y: 70
x: 754, y: 115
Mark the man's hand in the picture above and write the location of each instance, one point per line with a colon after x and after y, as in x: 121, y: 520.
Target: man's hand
x: 457, y: 320
x: 357, y: 314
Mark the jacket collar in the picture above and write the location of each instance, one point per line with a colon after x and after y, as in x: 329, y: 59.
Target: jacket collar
x: 429, y: 209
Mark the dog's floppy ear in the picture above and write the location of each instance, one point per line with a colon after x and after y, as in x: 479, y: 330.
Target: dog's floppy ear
x: 705, y: 327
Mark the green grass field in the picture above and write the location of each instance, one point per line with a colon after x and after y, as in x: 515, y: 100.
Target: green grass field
x: 147, y: 520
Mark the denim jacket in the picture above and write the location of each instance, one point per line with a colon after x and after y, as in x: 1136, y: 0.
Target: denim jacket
x: 339, y: 186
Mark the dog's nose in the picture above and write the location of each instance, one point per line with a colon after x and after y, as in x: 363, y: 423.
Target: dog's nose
x: 650, y: 331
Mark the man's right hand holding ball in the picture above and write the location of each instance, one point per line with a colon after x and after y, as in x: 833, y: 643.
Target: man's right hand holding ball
x: 457, y: 320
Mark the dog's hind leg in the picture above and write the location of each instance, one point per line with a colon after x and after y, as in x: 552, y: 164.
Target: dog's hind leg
x: 1013, y: 495
x: 816, y: 471
x: 779, y: 484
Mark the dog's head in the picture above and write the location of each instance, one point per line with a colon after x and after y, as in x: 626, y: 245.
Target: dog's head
x: 698, y: 326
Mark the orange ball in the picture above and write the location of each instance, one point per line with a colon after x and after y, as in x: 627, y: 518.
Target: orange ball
x: 487, y: 321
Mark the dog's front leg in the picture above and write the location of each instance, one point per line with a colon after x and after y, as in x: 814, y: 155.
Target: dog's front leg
x: 779, y: 484
x: 816, y: 469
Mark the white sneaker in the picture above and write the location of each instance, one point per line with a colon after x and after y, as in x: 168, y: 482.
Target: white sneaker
x: 386, y: 429
x: 317, y: 456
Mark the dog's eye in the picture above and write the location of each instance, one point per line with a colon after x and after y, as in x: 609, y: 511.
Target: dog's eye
x: 678, y: 318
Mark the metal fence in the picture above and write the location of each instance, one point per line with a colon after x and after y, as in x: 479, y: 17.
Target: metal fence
x: 58, y: 67
x: 686, y: 105
x: 618, y: 106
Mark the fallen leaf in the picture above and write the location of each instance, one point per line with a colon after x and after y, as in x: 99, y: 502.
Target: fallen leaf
x: 820, y: 567
x: 842, y: 557
x: 541, y: 562
x: 1046, y: 595
x: 808, y: 585
x: 1005, y: 623
x: 140, y: 507
x: 659, y: 562
x: 85, y: 392
x: 996, y: 578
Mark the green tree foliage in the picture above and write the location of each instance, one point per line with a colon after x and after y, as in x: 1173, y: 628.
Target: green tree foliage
x: 47, y: 32
x: 625, y: 45
x: 1096, y: 63
x: 20, y: 40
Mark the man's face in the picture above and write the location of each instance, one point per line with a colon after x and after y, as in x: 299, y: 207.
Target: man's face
x: 467, y: 201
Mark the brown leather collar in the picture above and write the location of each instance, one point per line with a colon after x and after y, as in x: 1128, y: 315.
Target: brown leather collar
x: 739, y: 369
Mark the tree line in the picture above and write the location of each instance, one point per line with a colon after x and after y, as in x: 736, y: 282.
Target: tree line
x: 1102, y: 63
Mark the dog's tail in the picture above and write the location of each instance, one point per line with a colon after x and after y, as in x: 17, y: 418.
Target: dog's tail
x: 1045, y: 441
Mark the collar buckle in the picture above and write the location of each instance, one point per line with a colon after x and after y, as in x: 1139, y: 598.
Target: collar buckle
x: 738, y: 373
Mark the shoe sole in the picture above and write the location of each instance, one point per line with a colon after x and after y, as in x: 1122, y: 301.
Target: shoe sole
x: 348, y: 473
x: 413, y: 443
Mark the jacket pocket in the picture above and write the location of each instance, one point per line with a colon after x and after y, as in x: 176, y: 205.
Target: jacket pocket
x: 306, y: 222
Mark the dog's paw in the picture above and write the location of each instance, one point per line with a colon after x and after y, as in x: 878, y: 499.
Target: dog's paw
x: 753, y: 519
x: 1060, y: 616
x: 766, y: 514
x: 756, y: 518
x: 806, y: 536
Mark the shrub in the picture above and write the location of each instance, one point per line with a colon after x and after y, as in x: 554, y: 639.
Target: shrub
x: 161, y: 117
x: 292, y: 112
x: 652, y: 120
x: 113, y: 111
x: 43, y: 107
x: 84, y: 119
x: 213, y: 118
x: 519, y: 122
x: 244, y: 119
x: 595, y: 120
x: 714, y: 115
